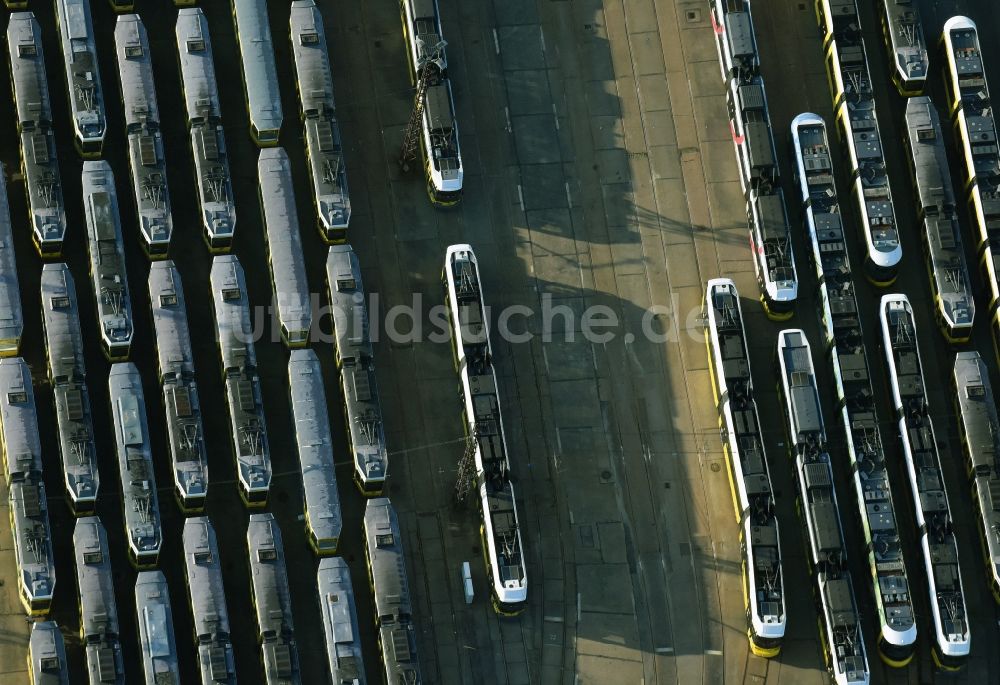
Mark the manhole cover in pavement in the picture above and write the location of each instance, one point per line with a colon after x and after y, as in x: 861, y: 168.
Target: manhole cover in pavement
x: 715, y: 467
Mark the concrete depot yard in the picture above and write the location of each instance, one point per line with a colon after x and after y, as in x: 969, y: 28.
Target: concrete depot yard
x: 599, y: 169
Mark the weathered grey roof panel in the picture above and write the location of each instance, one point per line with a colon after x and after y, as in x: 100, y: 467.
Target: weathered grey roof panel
x: 47, y: 655
x: 393, y: 609
x: 208, y: 144
x: 156, y: 629
x: 338, y: 606
x: 236, y: 346
x: 315, y: 449
x: 135, y: 463
x: 83, y: 73
x: 327, y: 170
x: 208, y: 602
x: 107, y: 258
x: 185, y: 430
x: 260, y: 76
x: 34, y: 123
x: 99, y: 611
x: 290, y: 286
x: 142, y: 125
x: 271, y: 597
x: 11, y: 316
x: 355, y: 356
x: 194, y: 50
x: 68, y: 376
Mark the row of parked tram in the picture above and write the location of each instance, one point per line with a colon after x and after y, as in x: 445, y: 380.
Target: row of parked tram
x: 825, y: 223
x: 823, y: 517
x: 203, y: 114
x: 843, y: 338
x: 139, y: 494
x: 502, y: 545
x: 176, y: 372
x: 854, y: 106
x: 140, y: 505
x: 937, y: 203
